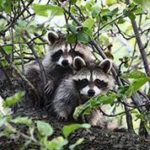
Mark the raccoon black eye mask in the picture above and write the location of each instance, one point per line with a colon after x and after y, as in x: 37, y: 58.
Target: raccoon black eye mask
x: 84, y: 82
x: 55, y: 57
x: 81, y: 83
x: 100, y: 83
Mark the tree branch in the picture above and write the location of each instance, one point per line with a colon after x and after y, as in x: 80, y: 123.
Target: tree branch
x: 140, y: 44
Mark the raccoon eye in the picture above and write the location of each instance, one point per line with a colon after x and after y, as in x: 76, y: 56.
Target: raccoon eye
x: 84, y: 82
x: 100, y: 83
x: 56, y: 55
x: 80, y: 84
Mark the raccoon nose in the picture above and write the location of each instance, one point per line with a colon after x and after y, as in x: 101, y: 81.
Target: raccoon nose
x: 65, y: 63
x: 91, y: 92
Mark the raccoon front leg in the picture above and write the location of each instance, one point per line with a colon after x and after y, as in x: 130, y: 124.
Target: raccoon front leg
x: 63, y: 109
x: 64, y: 105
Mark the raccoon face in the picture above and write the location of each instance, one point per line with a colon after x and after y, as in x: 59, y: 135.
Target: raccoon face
x: 94, y: 80
x: 92, y: 87
x: 62, y: 56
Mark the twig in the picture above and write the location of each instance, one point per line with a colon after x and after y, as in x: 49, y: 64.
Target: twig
x: 11, y: 24
x: 129, y: 120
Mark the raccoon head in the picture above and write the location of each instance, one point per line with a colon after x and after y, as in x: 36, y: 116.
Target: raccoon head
x: 92, y: 80
x: 62, y: 54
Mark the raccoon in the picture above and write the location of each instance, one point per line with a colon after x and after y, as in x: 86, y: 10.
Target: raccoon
x: 59, y: 60
x: 90, y: 81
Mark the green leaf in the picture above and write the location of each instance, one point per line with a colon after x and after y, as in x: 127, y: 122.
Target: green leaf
x: 72, y: 28
x: 8, y: 49
x: 45, y: 129
x: 45, y: 10
x: 134, y: 75
x: 71, y: 38
x: 79, y: 110
x: 143, y: 2
x: 10, y: 101
x: 82, y: 37
x: 95, y: 11
x: 4, y: 62
x: 5, y: 5
x: 104, y: 39
x: 78, y: 142
x: 68, y: 129
x: 139, y: 10
x: 88, y: 32
x: 115, y: 11
x: 106, y: 99
x: 57, y: 143
x: 121, y: 21
x: 111, y: 2
x: 22, y: 120
x: 105, y: 12
x: 73, y: 1
x: 88, y: 23
x: 136, y: 85
x: 122, y: 91
x: 140, y: 1
x: 131, y: 16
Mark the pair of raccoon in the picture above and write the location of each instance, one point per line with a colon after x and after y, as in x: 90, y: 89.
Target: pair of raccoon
x: 57, y: 64
x: 73, y: 77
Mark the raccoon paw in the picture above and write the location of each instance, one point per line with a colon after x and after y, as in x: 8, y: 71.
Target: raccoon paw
x: 49, y: 87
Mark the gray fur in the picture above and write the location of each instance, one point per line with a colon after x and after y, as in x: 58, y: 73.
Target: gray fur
x: 65, y: 99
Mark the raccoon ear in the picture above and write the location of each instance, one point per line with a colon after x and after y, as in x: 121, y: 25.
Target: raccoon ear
x: 52, y: 37
x: 106, y: 65
x: 78, y: 63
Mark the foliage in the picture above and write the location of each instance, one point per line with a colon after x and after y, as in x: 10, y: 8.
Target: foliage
x: 38, y: 132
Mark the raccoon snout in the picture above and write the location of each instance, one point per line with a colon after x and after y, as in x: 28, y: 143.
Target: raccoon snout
x: 65, y: 63
x: 91, y: 92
